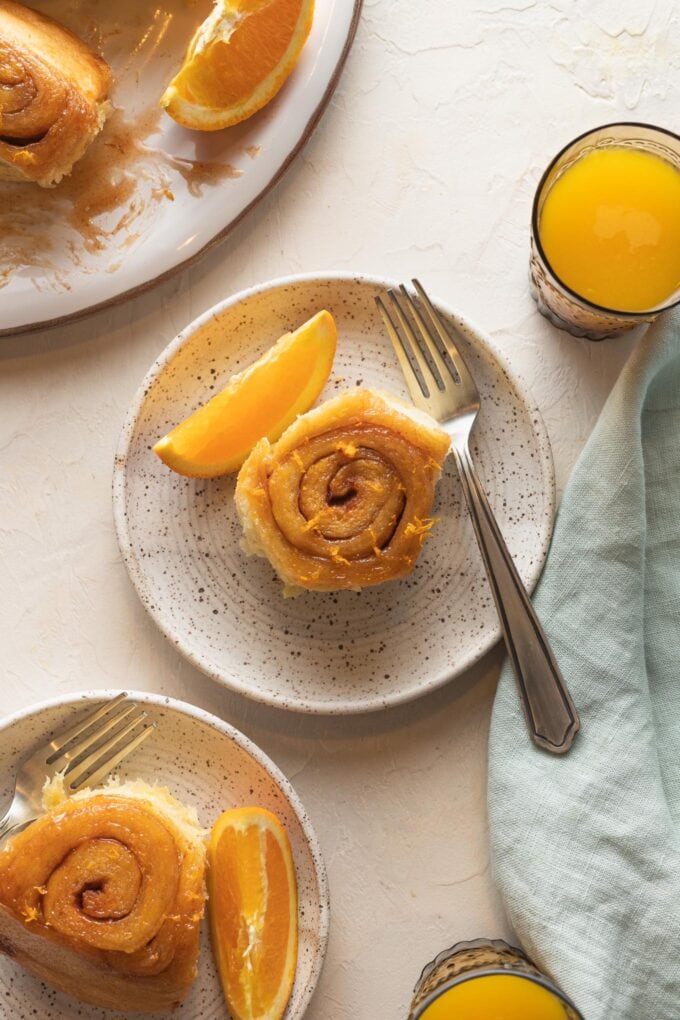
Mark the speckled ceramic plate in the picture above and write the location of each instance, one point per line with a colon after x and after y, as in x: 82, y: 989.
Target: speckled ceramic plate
x: 339, y: 652
x: 150, y: 196
x: 209, y: 764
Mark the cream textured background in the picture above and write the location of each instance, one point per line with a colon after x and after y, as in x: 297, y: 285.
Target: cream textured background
x: 425, y: 163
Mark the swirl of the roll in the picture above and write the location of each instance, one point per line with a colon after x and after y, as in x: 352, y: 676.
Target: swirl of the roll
x: 344, y: 498
x: 53, y: 91
x: 117, y: 882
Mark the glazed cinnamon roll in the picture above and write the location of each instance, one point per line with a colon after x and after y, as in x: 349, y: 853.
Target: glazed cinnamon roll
x: 102, y: 897
x: 53, y: 96
x: 344, y: 498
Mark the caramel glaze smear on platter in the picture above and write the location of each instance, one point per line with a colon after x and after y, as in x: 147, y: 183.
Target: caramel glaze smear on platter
x: 92, y: 217
x: 100, y: 202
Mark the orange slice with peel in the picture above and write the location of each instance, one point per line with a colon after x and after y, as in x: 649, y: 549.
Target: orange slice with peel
x: 237, y: 61
x: 253, y: 912
x: 263, y: 400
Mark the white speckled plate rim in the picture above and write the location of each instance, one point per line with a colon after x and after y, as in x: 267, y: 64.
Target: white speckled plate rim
x: 231, y: 733
x: 348, y: 707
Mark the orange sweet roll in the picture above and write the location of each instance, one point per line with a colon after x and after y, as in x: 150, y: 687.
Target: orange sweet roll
x: 102, y: 897
x: 53, y: 96
x: 344, y: 498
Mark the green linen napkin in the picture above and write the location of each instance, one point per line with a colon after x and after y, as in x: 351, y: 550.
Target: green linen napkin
x: 586, y: 848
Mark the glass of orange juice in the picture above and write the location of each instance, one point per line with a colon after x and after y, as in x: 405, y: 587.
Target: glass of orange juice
x: 487, y: 980
x: 605, y: 244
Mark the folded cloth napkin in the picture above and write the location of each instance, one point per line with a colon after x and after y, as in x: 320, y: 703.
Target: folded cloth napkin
x: 586, y: 848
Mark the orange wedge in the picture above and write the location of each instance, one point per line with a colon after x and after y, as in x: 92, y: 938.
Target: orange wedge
x: 253, y: 912
x: 261, y: 401
x: 237, y: 61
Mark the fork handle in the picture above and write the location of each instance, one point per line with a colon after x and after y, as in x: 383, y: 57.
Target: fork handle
x: 550, y: 712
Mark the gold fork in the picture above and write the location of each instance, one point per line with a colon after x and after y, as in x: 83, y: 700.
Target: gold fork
x: 440, y: 383
x: 110, y: 734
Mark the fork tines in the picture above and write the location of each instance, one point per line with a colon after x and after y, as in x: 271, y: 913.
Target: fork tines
x: 109, y: 734
x: 422, y: 341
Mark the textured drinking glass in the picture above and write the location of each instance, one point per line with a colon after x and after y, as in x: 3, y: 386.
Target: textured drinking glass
x: 469, y: 962
x: 562, y: 306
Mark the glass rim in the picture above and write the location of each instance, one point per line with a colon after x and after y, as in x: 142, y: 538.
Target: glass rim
x: 492, y: 971
x: 619, y: 312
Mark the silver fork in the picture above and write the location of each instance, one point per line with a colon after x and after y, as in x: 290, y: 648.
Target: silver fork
x: 440, y: 383
x: 109, y: 734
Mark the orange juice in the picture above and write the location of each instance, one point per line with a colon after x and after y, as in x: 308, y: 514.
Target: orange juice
x: 610, y: 228
x: 487, y: 979
x: 496, y: 997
